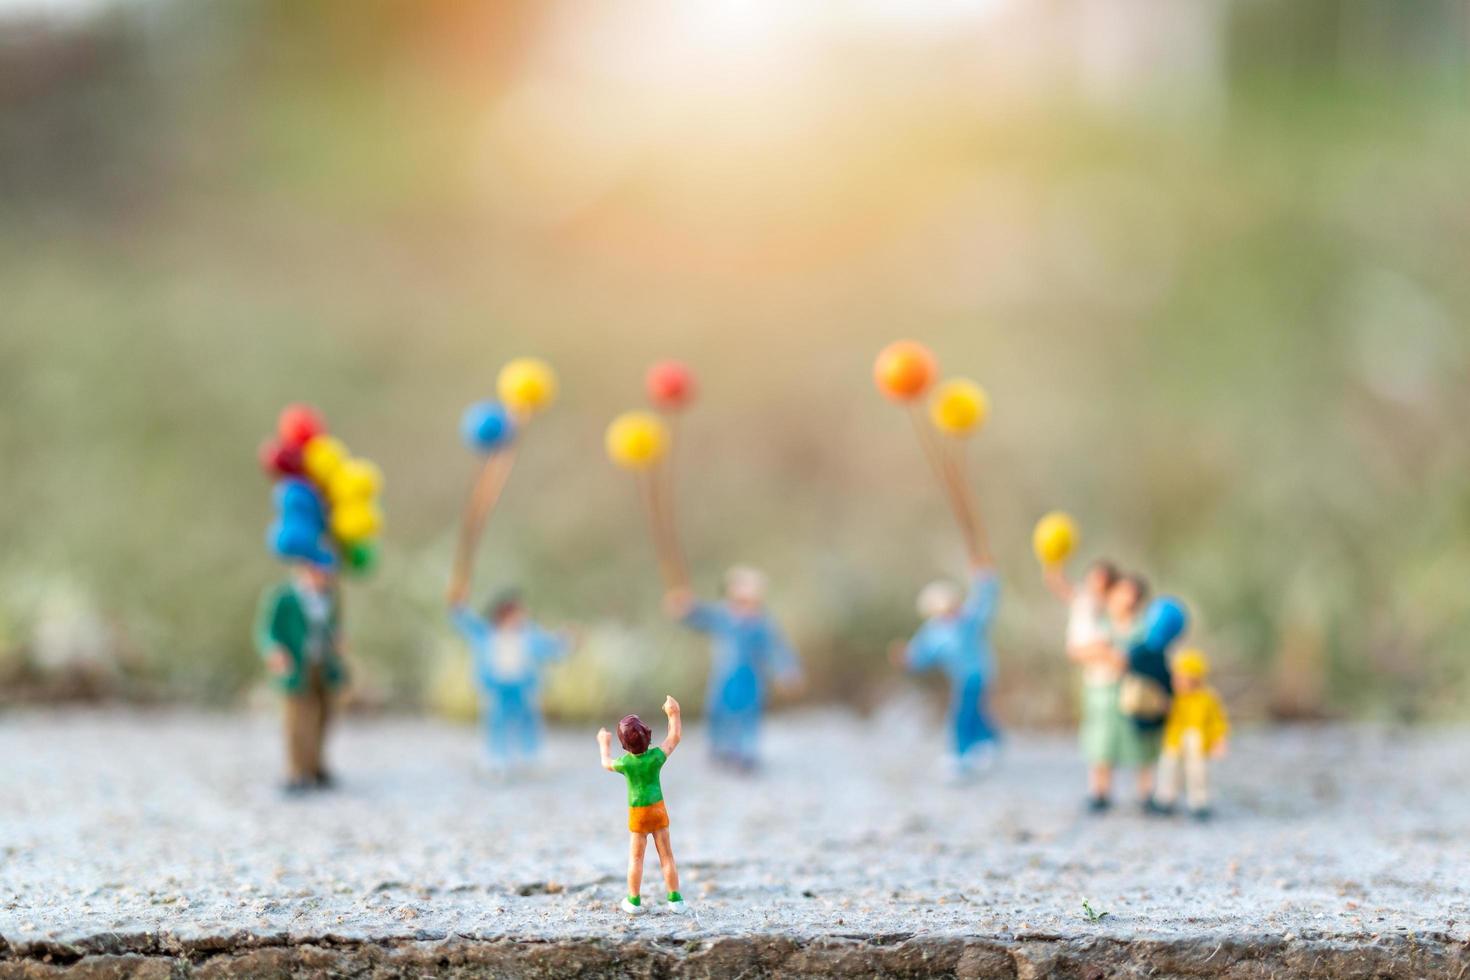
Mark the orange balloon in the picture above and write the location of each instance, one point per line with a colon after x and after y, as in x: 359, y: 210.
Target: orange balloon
x: 904, y: 370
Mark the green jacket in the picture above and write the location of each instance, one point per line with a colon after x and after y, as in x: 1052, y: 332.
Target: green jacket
x: 282, y: 623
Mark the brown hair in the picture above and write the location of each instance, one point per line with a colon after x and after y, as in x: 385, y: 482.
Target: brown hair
x: 1110, y: 572
x: 634, y: 735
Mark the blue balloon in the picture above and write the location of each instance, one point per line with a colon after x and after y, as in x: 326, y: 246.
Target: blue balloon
x: 1165, y: 621
x: 298, y: 500
x: 486, y: 427
x: 294, y: 540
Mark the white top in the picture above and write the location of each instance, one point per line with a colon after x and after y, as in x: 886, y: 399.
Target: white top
x: 509, y: 658
x: 1086, y: 624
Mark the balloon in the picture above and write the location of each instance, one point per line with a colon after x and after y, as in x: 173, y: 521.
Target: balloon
x: 1164, y: 622
x: 637, y: 440
x: 356, y: 520
x: 293, y: 540
x: 486, y: 427
x: 321, y: 456
x: 279, y: 460
x: 355, y: 479
x: 1054, y: 538
x: 959, y: 407
x: 361, y: 557
x: 526, y: 385
x: 904, y: 370
x: 297, y: 500
x: 670, y: 385
x: 298, y: 424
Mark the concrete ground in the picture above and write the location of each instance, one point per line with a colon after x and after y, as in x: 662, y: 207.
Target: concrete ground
x: 141, y: 843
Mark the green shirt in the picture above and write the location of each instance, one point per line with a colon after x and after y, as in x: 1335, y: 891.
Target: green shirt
x: 642, y: 772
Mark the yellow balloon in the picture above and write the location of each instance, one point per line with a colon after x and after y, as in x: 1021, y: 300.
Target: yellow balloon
x: 959, y: 407
x: 355, y: 479
x: 637, y: 440
x: 526, y: 385
x: 356, y: 520
x: 1054, y: 539
x: 321, y: 457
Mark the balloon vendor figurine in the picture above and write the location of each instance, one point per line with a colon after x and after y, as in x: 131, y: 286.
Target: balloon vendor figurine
x: 641, y: 765
x: 327, y: 516
x: 1195, y: 731
x: 749, y: 648
x: 955, y: 635
x: 509, y: 652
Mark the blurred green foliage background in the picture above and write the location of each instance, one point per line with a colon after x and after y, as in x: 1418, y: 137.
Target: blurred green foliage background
x: 1210, y: 261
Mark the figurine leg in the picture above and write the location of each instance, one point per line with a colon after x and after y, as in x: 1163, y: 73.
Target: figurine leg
x: 324, y: 716
x: 1168, y: 788
x: 302, y: 724
x: 530, y: 730
x: 1196, y: 774
x: 638, y: 844
x: 497, y: 730
x: 666, y: 860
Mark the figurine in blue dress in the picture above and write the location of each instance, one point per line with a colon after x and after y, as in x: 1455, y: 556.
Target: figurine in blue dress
x: 509, y: 654
x: 749, y: 651
x: 955, y: 638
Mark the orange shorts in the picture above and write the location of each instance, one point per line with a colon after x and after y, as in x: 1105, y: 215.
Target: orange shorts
x: 647, y: 819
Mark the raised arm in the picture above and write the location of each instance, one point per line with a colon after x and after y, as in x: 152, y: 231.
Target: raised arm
x: 984, y: 594
x: 604, y: 744
x: 1056, y: 580
x: 676, y: 725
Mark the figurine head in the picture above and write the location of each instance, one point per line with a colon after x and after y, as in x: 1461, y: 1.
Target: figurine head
x: 939, y: 600
x: 507, y: 610
x: 1101, y: 576
x: 745, y: 590
x: 1126, y: 597
x: 634, y: 735
x: 315, y: 575
x: 1189, y: 670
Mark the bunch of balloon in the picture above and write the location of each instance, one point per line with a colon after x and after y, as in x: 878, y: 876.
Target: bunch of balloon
x: 327, y: 508
x: 526, y: 387
x: 905, y: 372
x: 642, y: 442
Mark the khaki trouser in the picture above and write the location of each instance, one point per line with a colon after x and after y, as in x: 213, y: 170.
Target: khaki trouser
x: 307, y: 714
x: 1186, y: 759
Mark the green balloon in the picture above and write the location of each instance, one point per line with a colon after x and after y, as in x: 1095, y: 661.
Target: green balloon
x: 362, y: 556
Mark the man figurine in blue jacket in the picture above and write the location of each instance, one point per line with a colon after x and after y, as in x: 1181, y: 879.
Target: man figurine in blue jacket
x: 955, y: 638
x: 749, y: 650
x: 509, y: 654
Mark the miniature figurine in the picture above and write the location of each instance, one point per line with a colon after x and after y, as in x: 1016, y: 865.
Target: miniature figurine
x: 1107, y: 736
x: 510, y: 654
x: 298, y: 632
x: 1195, y: 731
x: 749, y: 650
x: 646, y: 811
x: 1146, y: 690
x: 955, y: 638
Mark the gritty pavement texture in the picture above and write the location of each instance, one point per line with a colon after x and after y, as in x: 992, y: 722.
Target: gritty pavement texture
x: 130, y: 840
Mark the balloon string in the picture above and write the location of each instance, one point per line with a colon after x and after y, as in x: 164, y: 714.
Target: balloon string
x: 950, y: 481
x: 665, y: 500
x: 979, y: 545
x: 485, y: 492
x: 668, y: 560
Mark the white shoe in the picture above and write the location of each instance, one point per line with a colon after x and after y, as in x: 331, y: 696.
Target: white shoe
x: 678, y: 908
x: 630, y: 908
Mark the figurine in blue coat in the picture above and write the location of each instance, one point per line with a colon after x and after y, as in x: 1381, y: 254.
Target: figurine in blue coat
x: 955, y: 638
x: 509, y: 654
x: 750, y: 651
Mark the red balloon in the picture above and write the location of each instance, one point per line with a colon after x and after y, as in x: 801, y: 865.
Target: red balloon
x: 278, y: 460
x: 298, y: 423
x: 670, y: 384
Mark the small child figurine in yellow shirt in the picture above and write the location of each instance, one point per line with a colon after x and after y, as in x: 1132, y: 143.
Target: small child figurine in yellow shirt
x: 1194, y: 732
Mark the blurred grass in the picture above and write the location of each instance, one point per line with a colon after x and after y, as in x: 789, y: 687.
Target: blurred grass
x: 1232, y: 343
